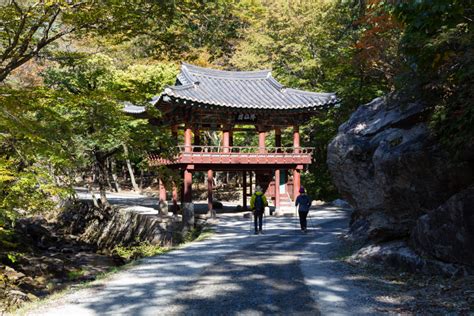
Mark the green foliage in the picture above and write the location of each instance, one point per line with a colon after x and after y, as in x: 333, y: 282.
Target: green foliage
x: 32, y: 154
x: 76, y: 274
x: 320, y: 46
x: 13, y: 256
x: 438, y: 43
x: 319, y: 132
x: 143, y: 249
x: 144, y: 81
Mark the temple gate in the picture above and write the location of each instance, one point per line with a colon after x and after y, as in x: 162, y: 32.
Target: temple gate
x: 230, y: 101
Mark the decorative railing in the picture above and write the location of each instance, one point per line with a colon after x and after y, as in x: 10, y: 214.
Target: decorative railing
x: 245, y: 149
x: 237, y: 155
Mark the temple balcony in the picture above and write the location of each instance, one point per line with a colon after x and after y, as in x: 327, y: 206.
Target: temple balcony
x: 192, y: 155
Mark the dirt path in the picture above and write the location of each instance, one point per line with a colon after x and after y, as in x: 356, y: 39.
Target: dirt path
x: 235, y: 273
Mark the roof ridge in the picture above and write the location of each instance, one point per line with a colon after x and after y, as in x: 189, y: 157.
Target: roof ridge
x: 190, y: 70
x: 304, y: 92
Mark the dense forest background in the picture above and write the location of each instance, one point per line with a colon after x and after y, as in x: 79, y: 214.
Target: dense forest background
x: 67, y: 67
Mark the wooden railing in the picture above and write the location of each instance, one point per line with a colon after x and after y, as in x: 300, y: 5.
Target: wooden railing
x: 237, y: 155
x: 245, y: 149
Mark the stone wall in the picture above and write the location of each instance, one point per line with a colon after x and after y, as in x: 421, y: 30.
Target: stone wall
x: 115, y: 226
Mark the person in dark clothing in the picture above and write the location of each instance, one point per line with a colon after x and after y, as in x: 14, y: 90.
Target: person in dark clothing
x: 258, y: 202
x: 303, y: 203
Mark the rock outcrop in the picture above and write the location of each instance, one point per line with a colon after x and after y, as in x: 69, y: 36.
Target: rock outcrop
x: 447, y: 233
x: 387, y: 165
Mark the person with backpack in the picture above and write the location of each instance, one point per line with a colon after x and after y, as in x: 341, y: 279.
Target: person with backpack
x: 258, y: 202
x: 303, y: 203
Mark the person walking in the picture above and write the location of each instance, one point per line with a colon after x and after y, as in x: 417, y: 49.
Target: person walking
x: 258, y: 202
x: 303, y: 203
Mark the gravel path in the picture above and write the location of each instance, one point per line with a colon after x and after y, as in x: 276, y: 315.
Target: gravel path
x: 282, y: 272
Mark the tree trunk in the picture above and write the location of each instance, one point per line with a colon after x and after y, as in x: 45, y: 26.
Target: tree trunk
x: 141, y: 179
x: 107, y: 174
x: 113, y: 171
x: 94, y: 200
x: 130, y: 169
x: 102, y: 177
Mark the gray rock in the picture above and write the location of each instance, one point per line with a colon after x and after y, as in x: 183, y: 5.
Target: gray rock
x: 341, y: 203
x: 447, y: 233
x: 399, y: 256
x: 386, y: 164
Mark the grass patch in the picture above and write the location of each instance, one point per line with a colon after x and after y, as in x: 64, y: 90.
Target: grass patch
x: 142, y: 249
x: 76, y: 274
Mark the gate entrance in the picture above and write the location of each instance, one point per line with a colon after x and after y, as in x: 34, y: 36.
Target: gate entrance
x: 230, y: 101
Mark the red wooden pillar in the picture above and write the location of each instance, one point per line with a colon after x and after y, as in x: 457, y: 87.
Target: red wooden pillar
x: 277, y: 189
x: 261, y: 141
x: 209, y: 193
x: 188, y: 206
x: 187, y: 139
x: 296, y: 183
x: 226, y: 140
x: 244, y: 184
x: 296, y: 138
x: 188, y: 181
x: 175, y: 199
x: 163, y: 204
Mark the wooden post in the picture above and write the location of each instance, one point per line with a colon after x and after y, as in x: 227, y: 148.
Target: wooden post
x: 296, y: 183
x: 209, y: 193
x: 261, y: 142
x: 163, y: 204
x: 244, y: 184
x: 162, y: 191
x: 226, y: 140
x: 187, y: 139
x: 296, y: 139
x: 188, y: 181
x: 277, y: 189
x: 175, y: 199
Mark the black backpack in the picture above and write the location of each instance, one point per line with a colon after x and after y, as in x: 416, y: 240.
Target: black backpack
x: 259, y: 206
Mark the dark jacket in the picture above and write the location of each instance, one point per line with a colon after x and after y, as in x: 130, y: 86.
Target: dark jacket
x: 304, y: 203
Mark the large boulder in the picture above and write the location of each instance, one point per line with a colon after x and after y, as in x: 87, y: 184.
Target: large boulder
x: 447, y: 232
x: 387, y: 165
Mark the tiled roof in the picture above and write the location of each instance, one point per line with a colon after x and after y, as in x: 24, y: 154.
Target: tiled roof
x: 241, y: 90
